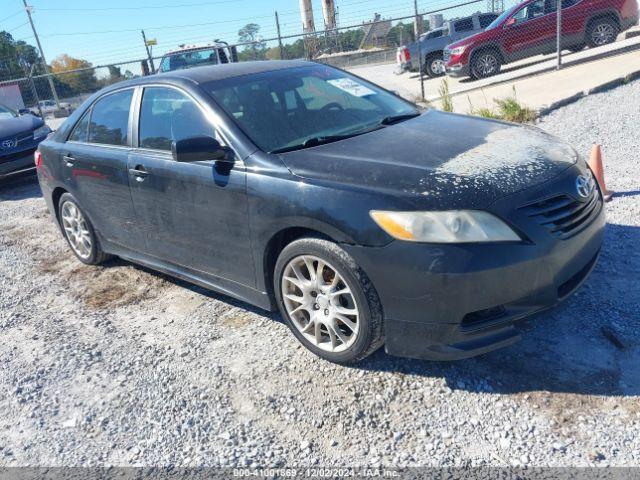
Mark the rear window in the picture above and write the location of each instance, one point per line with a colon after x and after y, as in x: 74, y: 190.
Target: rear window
x: 464, y: 25
x: 110, y: 119
x: 485, y: 20
x: 189, y: 59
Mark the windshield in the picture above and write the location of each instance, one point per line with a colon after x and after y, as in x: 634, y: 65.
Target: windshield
x: 298, y: 107
x: 6, y: 112
x: 501, y: 18
x: 189, y: 59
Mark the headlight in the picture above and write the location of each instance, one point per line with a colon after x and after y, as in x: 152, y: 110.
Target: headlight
x: 454, y: 226
x: 42, y: 131
x: 458, y: 50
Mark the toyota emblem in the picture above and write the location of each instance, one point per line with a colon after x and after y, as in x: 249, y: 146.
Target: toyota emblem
x: 585, y: 185
x: 6, y: 144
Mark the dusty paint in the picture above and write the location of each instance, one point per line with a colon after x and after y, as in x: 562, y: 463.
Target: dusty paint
x: 510, y: 155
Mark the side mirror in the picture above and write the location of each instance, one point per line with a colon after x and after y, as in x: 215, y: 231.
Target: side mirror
x: 509, y: 23
x: 200, y: 149
x: 24, y: 111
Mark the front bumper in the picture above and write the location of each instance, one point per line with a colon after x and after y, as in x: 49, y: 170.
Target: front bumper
x: 458, y: 70
x: 16, y: 162
x: 448, y: 302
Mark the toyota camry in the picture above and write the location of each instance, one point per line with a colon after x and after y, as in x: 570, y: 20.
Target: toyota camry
x: 297, y: 186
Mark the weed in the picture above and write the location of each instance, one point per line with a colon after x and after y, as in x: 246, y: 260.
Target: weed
x: 445, y: 96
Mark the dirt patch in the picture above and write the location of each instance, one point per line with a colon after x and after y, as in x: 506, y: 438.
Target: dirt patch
x: 236, y: 320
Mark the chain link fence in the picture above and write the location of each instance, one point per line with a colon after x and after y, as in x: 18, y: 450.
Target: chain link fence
x: 505, y: 31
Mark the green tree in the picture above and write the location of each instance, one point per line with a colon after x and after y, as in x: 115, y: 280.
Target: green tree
x: 74, y: 82
x: 257, y: 50
x: 17, y: 58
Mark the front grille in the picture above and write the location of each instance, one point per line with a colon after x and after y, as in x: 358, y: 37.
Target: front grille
x: 563, y: 215
x: 446, y: 56
x: 16, y: 155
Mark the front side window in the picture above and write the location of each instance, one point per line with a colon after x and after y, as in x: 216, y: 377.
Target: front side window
x: 530, y: 11
x: 110, y: 119
x: 167, y: 115
x: 286, y: 108
x: 465, y: 25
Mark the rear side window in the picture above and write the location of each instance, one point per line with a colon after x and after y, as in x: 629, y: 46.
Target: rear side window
x: 464, y: 25
x: 167, y: 115
x: 110, y: 119
x: 485, y: 20
x: 80, y: 131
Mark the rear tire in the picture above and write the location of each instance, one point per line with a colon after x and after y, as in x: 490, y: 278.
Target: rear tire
x: 327, y: 301
x: 485, y: 64
x: 79, y: 232
x: 434, y: 65
x: 602, y: 31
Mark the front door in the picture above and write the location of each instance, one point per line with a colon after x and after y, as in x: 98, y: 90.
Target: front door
x: 94, y: 163
x: 193, y: 215
x: 533, y: 32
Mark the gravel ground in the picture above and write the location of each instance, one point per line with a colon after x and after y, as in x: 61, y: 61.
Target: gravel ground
x: 122, y: 366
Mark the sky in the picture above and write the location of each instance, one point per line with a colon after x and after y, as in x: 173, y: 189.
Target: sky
x: 108, y: 31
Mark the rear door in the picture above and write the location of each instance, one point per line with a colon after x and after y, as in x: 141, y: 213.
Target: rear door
x: 94, y: 166
x: 193, y: 215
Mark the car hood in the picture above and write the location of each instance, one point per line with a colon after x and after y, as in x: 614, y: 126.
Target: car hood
x: 439, y: 159
x: 480, y: 36
x: 23, y: 123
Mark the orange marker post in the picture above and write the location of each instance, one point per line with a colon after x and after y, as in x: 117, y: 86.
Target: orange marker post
x: 595, y: 163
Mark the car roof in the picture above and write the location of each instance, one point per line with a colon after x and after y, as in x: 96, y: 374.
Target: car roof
x: 209, y: 73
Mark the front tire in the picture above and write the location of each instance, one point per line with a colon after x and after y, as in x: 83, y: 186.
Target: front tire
x: 79, y: 232
x: 485, y: 64
x: 327, y: 301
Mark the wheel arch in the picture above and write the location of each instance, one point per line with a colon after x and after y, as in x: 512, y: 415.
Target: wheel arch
x: 278, y: 241
x: 56, y: 194
x: 483, y: 48
x: 609, y: 14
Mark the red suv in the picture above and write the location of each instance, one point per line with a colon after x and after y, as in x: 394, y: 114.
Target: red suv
x: 529, y: 29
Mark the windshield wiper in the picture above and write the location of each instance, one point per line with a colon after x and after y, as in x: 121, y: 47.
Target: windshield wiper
x: 311, y: 142
x: 398, y: 118
x: 322, y: 140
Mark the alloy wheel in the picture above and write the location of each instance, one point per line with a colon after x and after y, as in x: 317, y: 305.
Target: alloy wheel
x: 486, y: 64
x: 320, y: 304
x: 76, y: 230
x: 602, y: 34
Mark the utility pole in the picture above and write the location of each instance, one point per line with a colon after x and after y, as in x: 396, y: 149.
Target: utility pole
x: 149, y: 56
x: 279, y: 37
x: 559, y: 35
x: 418, y: 29
x: 44, y: 61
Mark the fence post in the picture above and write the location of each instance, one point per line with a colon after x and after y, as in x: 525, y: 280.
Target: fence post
x: 279, y: 37
x: 559, y: 35
x: 34, y: 91
x: 420, y: 59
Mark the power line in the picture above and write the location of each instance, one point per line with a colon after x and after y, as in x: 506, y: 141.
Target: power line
x: 144, y: 7
x: 11, y: 16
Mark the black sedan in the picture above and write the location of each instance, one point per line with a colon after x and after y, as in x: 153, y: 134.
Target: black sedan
x: 20, y: 134
x: 298, y: 186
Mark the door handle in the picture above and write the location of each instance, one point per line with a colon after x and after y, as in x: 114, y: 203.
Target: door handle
x: 139, y: 172
x: 69, y: 160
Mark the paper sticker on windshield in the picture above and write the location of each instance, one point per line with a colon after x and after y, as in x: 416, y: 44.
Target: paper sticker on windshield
x: 351, y: 87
